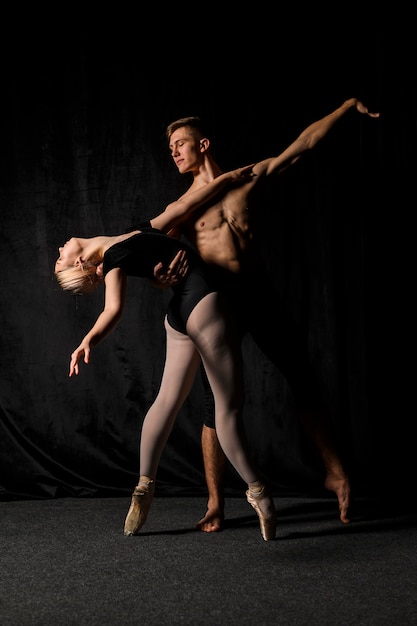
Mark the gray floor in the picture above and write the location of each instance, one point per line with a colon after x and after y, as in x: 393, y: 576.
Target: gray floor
x: 66, y: 561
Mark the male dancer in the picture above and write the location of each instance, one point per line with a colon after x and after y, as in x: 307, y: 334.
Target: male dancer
x: 225, y: 235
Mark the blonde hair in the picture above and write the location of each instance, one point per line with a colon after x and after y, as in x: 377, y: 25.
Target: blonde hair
x: 79, y: 280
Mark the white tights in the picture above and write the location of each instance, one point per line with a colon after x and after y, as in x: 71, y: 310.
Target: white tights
x: 211, y: 337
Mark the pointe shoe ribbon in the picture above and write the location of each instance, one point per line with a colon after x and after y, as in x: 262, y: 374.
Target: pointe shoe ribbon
x: 268, y: 523
x: 139, y: 508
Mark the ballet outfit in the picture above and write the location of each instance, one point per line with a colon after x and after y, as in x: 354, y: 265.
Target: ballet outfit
x: 138, y: 255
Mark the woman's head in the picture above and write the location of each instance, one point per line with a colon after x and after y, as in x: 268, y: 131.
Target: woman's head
x: 73, y: 272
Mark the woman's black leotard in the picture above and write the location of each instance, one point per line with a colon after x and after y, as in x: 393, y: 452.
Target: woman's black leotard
x: 138, y: 255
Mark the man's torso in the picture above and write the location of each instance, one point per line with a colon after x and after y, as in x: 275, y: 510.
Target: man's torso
x: 223, y: 233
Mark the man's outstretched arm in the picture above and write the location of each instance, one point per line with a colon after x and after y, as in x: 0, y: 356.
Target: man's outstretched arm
x: 309, y: 138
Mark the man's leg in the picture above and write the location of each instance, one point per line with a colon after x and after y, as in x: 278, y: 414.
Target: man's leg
x: 317, y: 427
x: 214, y: 465
x: 214, y: 468
x: 276, y: 334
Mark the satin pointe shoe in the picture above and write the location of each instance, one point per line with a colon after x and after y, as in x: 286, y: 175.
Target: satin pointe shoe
x: 139, y: 508
x: 268, y: 523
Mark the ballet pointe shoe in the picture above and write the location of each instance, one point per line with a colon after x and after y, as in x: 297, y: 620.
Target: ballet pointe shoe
x: 139, y: 508
x: 268, y: 523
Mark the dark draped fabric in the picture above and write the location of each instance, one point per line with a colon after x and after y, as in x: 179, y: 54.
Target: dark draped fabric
x: 83, y: 152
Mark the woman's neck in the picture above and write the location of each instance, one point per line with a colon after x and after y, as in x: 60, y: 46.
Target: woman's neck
x: 96, y: 247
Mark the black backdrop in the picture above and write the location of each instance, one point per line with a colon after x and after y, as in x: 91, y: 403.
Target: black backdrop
x: 83, y: 152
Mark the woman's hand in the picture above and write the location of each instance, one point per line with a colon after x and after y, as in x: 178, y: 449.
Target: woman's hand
x: 83, y: 350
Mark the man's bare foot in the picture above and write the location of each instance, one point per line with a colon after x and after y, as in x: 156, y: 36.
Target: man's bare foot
x: 341, y: 488
x: 212, y: 522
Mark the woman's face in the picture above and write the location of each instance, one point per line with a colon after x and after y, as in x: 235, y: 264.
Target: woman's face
x: 69, y: 254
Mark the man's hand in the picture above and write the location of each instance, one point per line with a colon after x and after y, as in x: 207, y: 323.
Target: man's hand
x: 241, y: 174
x: 363, y: 109
x: 173, y: 274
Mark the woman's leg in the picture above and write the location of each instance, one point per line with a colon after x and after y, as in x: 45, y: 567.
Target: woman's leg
x: 211, y: 328
x: 181, y: 365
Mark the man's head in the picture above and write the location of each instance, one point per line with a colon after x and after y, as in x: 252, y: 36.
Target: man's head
x: 188, y: 143
x: 193, y: 123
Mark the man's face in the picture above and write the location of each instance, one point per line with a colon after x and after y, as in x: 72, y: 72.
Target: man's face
x: 185, y: 150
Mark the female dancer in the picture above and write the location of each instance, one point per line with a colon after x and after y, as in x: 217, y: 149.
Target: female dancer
x: 198, y: 327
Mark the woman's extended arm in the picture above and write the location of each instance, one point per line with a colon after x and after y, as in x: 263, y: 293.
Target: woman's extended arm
x: 108, y: 319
